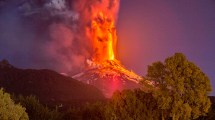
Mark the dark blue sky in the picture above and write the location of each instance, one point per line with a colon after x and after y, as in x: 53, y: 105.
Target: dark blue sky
x: 151, y: 30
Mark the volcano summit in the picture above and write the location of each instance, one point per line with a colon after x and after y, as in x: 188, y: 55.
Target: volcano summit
x: 109, y: 76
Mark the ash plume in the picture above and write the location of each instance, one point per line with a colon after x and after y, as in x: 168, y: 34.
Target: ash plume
x: 53, y: 34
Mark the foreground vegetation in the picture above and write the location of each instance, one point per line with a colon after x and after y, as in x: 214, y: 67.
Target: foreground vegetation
x: 180, y: 92
x: 9, y: 110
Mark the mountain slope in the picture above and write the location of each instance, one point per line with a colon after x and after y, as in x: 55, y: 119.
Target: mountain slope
x: 47, y: 85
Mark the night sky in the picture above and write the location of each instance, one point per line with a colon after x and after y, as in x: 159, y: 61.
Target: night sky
x: 152, y: 30
x: 148, y: 31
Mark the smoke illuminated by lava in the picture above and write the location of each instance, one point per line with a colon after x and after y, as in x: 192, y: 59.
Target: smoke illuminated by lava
x: 81, y: 31
x: 99, y: 17
x: 90, y: 34
x: 69, y: 35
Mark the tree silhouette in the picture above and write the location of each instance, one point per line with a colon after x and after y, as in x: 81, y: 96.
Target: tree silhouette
x: 9, y: 110
x: 182, y: 89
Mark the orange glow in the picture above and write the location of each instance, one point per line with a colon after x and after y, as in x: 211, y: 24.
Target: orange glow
x: 102, y: 32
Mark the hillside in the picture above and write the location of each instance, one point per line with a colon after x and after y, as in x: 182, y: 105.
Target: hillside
x: 49, y: 86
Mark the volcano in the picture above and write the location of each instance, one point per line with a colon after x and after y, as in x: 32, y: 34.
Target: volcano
x: 103, y: 70
x: 83, y: 39
x: 110, y: 76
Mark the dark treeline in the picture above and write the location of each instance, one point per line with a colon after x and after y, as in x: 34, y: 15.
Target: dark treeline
x: 127, y: 105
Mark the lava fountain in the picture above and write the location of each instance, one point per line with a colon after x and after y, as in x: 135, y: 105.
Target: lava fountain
x: 103, y: 36
x: 99, y: 19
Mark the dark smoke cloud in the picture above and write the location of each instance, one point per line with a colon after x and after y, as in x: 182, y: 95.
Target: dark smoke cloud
x: 47, y: 33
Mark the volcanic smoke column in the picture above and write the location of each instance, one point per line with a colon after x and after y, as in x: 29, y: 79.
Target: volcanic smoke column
x: 99, y: 18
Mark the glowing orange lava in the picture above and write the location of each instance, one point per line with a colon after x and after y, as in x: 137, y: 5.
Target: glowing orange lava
x: 102, y: 32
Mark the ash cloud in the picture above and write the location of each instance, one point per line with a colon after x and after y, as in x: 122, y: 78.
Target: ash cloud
x: 48, y: 33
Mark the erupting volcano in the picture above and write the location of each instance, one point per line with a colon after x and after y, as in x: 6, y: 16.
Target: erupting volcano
x: 83, y: 40
x: 103, y: 70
